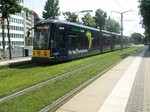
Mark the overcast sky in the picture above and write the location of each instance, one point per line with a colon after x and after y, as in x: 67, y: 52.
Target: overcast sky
x: 107, y: 5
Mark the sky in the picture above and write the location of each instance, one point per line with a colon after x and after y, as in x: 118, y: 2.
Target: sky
x: 131, y: 18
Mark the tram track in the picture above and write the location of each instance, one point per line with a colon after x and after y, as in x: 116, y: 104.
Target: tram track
x: 56, y: 104
x: 50, y: 81
x: 29, y: 76
x: 44, y: 86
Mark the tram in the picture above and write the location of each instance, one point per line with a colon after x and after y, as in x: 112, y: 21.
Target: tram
x: 57, y: 40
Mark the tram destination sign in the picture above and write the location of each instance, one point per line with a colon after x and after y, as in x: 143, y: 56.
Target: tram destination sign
x: 42, y: 27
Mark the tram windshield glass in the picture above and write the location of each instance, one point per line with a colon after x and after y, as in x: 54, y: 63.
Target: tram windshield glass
x: 41, y: 38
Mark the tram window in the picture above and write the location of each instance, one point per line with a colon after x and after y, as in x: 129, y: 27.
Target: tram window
x: 80, y: 41
x: 95, y: 40
x: 53, y: 41
x: 73, y: 40
x: 62, y: 40
x: 85, y: 42
x: 53, y: 38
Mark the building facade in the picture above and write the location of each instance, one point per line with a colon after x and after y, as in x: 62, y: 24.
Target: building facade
x: 28, y: 24
x: 19, y: 24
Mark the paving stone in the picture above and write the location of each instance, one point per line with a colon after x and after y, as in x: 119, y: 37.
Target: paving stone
x: 139, y: 100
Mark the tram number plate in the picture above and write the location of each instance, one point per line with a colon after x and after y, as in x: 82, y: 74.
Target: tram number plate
x: 41, y: 53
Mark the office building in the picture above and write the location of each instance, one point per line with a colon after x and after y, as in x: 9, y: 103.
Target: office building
x: 19, y: 24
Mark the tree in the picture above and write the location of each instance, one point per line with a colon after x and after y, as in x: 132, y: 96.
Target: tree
x: 8, y: 7
x: 112, y: 26
x: 137, y: 38
x: 71, y: 16
x: 88, y: 20
x: 145, y: 40
x: 100, y: 18
x: 51, y: 9
x: 144, y: 11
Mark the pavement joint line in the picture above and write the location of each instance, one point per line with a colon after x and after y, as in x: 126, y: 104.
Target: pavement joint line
x: 112, y: 104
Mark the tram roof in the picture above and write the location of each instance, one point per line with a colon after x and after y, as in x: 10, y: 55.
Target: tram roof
x: 65, y: 22
x: 57, y: 21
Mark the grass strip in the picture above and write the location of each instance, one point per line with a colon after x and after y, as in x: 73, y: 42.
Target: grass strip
x: 41, y: 97
x: 37, y: 74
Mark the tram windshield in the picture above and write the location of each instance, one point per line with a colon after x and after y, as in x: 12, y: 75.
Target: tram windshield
x: 41, y: 38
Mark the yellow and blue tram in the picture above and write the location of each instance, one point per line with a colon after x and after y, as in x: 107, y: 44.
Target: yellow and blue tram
x: 57, y: 40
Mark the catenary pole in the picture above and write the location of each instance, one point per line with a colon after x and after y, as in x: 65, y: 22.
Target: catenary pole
x: 121, y: 13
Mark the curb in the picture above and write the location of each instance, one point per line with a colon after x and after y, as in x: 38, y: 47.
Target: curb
x: 17, y: 63
x: 58, y: 103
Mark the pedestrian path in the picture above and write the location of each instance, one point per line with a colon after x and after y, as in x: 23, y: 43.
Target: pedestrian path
x: 14, y: 60
x: 139, y: 100
x: 118, y: 98
x: 111, y: 92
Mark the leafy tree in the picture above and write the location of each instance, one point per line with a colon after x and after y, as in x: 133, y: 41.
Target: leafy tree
x: 145, y: 13
x: 71, y: 16
x: 100, y: 18
x: 112, y: 26
x: 88, y: 20
x: 145, y: 40
x: 51, y: 9
x: 137, y: 38
x: 8, y: 7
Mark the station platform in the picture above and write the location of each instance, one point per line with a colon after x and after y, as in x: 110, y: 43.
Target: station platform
x: 124, y: 88
x: 7, y: 62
